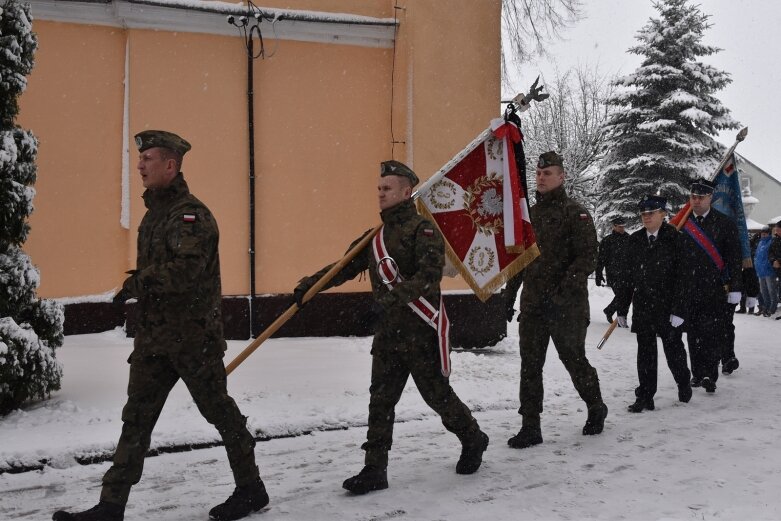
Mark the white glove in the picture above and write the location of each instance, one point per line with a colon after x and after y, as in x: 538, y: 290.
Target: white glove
x: 621, y: 321
x: 734, y: 297
x: 676, y: 321
x: 751, y: 302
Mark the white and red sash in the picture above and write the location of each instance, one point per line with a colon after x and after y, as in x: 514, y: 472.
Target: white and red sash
x: 437, y: 319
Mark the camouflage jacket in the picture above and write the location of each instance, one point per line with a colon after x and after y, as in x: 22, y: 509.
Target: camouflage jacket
x: 556, y: 281
x: 419, y: 251
x: 177, y: 276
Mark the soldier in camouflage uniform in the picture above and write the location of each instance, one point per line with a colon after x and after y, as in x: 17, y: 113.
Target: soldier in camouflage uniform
x: 404, y: 344
x: 554, y: 301
x: 177, y: 284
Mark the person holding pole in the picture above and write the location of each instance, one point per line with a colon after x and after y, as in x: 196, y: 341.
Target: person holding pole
x: 712, y: 263
x: 612, y: 259
x: 405, y: 261
x: 179, y: 335
x: 554, y: 302
x: 656, y: 294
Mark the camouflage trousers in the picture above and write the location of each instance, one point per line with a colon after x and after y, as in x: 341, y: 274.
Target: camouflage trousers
x: 151, y: 379
x: 392, y: 364
x: 568, y: 332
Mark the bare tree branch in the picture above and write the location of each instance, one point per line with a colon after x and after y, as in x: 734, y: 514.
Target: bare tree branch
x: 528, y: 25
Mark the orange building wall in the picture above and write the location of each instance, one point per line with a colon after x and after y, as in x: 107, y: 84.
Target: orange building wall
x: 76, y: 113
x: 322, y: 125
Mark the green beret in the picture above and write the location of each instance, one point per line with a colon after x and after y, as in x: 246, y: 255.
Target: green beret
x: 394, y: 167
x: 160, y: 138
x: 550, y: 159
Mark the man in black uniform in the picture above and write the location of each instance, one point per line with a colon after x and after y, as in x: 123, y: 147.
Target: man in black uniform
x: 612, y: 259
x: 656, y: 293
x: 712, y: 263
x: 554, y: 302
x: 407, y: 255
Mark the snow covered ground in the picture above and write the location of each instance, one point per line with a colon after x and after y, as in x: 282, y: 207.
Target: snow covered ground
x: 715, y: 458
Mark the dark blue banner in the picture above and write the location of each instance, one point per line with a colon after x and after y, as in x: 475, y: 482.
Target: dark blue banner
x: 727, y: 199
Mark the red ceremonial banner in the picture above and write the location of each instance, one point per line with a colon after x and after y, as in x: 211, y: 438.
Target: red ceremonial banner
x: 479, y: 206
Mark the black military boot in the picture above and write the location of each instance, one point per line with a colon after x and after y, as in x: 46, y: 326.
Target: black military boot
x: 596, y: 419
x: 368, y: 479
x: 709, y: 385
x: 472, y: 455
x: 696, y: 381
x: 730, y: 365
x: 528, y: 436
x: 684, y: 393
x: 243, y: 501
x: 641, y: 404
x: 103, y: 511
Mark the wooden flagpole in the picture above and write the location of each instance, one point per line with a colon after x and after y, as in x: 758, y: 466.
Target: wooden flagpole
x: 740, y: 137
x: 314, y: 290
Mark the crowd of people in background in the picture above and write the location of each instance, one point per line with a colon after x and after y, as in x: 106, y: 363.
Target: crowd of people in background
x: 766, y: 254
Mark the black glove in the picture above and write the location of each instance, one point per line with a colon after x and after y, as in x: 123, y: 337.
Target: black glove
x: 121, y: 296
x: 298, y: 294
x: 535, y: 92
x: 599, y: 280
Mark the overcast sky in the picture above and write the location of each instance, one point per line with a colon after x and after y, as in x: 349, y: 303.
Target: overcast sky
x: 746, y: 30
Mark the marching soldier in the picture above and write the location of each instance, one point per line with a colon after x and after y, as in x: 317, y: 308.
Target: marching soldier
x: 656, y: 283
x: 612, y: 258
x: 177, y: 284
x: 405, y: 262
x: 554, y: 302
x: 712, y: 263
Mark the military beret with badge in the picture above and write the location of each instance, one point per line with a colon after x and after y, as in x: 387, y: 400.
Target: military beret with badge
x: 398, y: 168
x: 550, y: 158
x: 162, y: 139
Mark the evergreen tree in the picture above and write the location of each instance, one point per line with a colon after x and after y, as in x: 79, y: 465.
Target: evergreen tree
x: 30, y: 328
x: 660, y: 136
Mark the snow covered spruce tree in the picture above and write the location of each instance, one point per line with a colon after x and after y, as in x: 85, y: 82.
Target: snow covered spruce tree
x: 30, y: 328
x: 660, y: 135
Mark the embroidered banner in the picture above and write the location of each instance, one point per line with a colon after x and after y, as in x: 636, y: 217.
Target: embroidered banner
x: 480, y: 207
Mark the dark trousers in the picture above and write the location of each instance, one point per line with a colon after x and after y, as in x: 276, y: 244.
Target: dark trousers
x: 620, y: 293
x: 710, y: 333
x: 391, y: 367
x: 569, y: 338
x: 648, y: 355
x: 727, y: 338
x: 151, y: 379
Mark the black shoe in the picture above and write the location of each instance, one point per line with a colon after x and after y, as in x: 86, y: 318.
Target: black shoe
x: 709, y: 385
x: 368, y: 479
x: 741, y: 310
x: 526, y: 437
x: 684, y: 393
x: 103, y: 511
x: 243, y: 501
x: 750, y: 311
x: 730, y: 365
x: 778, y: 317
x: 640, y: 405
x: 696, y: 382
x: 472, y: 455
x: 596, y: 420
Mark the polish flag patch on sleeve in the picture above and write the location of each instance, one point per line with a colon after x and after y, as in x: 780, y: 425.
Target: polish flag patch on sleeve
x: 188, y: 218
x: 583, y: 217
x: 428, y: 232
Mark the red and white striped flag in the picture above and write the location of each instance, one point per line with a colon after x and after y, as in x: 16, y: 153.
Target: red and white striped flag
x: 478, y: 203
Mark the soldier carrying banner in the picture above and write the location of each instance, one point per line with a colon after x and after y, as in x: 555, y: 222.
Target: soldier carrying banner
x: 405, y: 265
